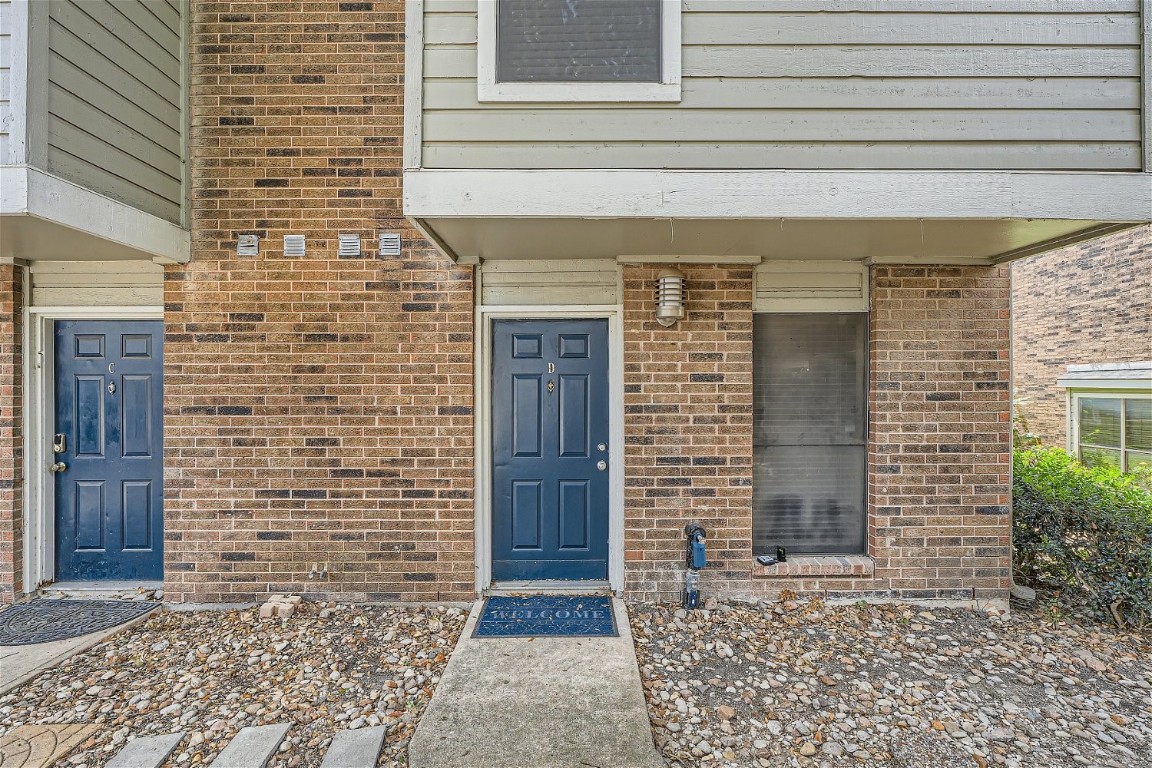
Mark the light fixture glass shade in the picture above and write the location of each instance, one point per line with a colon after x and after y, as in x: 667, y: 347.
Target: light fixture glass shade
x: 669, y: 297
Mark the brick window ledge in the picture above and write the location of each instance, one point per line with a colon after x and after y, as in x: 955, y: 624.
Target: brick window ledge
x: 817, y: 565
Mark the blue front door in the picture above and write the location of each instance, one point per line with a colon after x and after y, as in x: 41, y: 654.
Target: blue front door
x: 109, y: 449
x: 550, y: 460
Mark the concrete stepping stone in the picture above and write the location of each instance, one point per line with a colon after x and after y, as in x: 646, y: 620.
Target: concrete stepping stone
x: 252, y: 747
x: 39, y: 746
x: 355, y: 749
x: 146, y: 752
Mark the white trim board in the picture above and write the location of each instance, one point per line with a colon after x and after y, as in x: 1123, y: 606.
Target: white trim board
x: 483, y: 429
x: 31, y: 192
x: 413, y: 83
x: 776, y: 194
x: 39, y: 411
x: 488, y: 88
x: 1146, y: 80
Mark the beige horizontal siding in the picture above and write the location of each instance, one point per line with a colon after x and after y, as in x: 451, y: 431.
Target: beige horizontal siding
x: 1097, y: 93
x: 949, y: 84
x: 702, y: 29
x: 735, y: 155
x: 539, y: 283
x: 862, y: 61
x: 114, y: 100
x: 97, y: 283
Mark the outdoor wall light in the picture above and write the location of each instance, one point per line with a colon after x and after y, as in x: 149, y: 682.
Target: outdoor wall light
x: 669, y: 297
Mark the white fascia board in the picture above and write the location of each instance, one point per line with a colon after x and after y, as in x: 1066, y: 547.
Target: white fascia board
x: 1134, y: 385
x: 769, y: 194
x: 31, y: 192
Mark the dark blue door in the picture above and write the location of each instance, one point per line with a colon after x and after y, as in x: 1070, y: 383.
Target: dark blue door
x: 109, y: 400
x: 549, y: 446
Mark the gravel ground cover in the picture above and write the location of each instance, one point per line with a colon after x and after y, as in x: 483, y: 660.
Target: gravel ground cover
x: 807, y: 684
x: 327, y: 668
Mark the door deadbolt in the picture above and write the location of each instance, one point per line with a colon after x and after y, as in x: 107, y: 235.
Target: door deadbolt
x: 59, y: 442
x: 601, y: 447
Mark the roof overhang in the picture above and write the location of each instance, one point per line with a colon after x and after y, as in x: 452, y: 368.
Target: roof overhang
x: 45, y: 218
x: 1135, y: 377
x: 972, y: 217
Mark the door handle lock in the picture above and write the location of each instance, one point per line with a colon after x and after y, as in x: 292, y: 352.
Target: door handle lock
x: 601, y: 465
x: 58, y: 467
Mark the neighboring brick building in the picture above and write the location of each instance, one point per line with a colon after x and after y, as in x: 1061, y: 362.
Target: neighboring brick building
x: 1089, y: 304
x: 500, y: 403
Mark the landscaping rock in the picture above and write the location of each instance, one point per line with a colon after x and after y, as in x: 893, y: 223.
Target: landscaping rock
x: 212, y: 673
x: 811, y: 685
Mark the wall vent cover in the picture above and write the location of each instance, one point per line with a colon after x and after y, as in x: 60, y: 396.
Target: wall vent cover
x: 390, y: 244
x: 349, y: 246
x: 248, y: 245
x: 293, y: 245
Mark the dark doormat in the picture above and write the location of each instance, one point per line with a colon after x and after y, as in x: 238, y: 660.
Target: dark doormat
x: 547, y: 616
x: 43, y: 621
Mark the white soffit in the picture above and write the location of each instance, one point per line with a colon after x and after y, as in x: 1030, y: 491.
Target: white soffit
x: 747, y: 240
x: 45, y: 217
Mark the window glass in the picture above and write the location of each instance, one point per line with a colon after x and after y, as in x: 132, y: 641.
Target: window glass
x: 1100, y: 421
x: 1138, y: 424
x: 1139, y: 460
x: 578, y: 41
x: 810, y: 432
x: 1099, y: 457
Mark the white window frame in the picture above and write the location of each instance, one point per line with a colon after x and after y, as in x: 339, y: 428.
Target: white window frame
x: 668, y: 89
x: 1074, y: 398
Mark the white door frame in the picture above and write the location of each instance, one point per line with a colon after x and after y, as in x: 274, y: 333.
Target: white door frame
x: 483, y: 432
x: 39, y: 415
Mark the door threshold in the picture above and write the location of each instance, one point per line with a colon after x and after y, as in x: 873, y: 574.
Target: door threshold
x: 549, y: 587
x: 97, y: 590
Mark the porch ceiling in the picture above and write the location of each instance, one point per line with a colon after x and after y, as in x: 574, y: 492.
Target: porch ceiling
x: 35, y: 239
x: 936, y: 241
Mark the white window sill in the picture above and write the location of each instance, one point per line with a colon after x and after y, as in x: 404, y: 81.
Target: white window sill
x: 578, y: 92
x: 859, y: 566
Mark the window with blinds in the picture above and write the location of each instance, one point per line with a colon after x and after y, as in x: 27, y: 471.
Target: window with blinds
x: 1114, y: 431
x: 559, y: 41
x: 810, y: 432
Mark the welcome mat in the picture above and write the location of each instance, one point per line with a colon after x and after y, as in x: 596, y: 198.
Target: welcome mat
x: 547, y: 616
x: 44, y: 621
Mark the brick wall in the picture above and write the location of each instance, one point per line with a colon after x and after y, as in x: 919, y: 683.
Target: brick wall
x: 938, y: 439
x: 11, y: 433
x: 1089, y: 303
x: 939, y: 442
x: 687, y: 429
x: 318, y: 409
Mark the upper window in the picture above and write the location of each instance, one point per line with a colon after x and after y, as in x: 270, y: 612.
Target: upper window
x: 579, y: 50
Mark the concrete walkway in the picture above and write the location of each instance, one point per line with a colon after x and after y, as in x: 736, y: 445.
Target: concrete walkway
x: 21, y: 663
x: 545, y: 702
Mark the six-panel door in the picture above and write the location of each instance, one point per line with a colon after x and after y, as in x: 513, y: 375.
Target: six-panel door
x: 549, y: 450
x: 109, y: 495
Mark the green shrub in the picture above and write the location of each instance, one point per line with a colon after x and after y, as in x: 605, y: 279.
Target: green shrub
x: 1085, y: 530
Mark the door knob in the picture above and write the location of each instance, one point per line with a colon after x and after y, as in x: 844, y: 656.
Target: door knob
x: 58, y: 467
x: 601, y: 465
